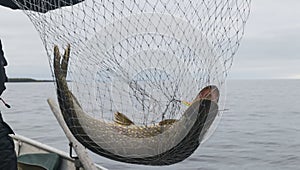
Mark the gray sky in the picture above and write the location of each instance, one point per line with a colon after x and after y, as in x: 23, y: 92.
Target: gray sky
x: 271, y: 45
x: 22, y: 46
x: 268, y: 50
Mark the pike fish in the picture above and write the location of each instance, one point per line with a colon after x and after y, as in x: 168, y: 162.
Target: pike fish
x: 164, y: 143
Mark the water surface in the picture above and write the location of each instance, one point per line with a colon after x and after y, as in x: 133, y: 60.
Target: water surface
x: 261, y: 129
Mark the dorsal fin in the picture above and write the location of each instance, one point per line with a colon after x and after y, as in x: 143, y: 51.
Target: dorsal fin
x: 121, y: 119
x: 167, y: 122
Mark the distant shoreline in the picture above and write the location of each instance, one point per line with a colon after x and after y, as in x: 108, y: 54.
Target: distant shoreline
x: 26, y: 80
x: 31, y: 80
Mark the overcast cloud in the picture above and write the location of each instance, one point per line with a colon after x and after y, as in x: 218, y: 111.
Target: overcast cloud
x: 269, y: 49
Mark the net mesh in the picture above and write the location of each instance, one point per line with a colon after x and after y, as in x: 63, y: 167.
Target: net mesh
x: 142, y: 57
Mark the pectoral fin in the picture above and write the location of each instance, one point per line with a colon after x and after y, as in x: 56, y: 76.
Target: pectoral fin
x: 122, y: 119
x: 167, y: 122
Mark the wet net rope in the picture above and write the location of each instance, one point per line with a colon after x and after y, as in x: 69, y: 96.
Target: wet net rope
x: 142, y: 58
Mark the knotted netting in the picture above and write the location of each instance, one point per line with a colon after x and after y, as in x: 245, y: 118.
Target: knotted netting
x: 144, y: 59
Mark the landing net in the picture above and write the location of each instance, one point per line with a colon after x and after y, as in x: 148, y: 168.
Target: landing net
x: 143, y: 58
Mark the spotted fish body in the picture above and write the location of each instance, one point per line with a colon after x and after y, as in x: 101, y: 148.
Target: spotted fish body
x: 141, y: 131
x: 165, y: 143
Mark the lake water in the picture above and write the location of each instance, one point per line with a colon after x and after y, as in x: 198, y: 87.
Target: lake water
x: 261, y: 129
